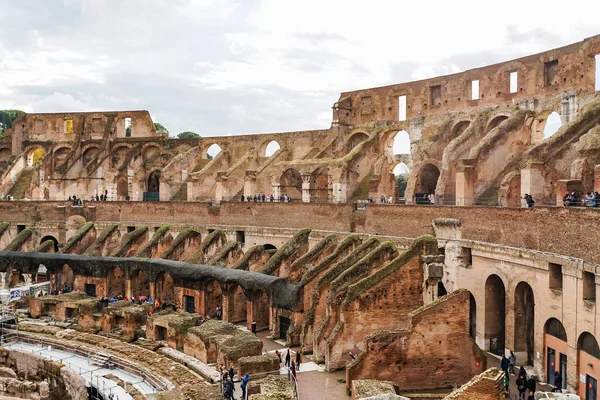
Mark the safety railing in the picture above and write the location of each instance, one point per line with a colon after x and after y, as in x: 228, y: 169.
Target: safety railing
x: 294, y: 382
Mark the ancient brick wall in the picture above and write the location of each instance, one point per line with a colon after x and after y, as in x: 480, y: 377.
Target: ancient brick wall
x: 436, y: 344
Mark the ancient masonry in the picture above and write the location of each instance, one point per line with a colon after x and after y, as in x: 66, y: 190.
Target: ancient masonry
x: 416, y: 293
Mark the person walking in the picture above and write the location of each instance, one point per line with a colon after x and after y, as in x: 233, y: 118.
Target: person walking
x: 253, y: 326
x: 504, y: 364
x: 219, y: 313
x: 287, y: 358
x: 231, y: 373
x: 521, y: 386
x: 293, y: 369
x: 298, y: 360
x: 557, y: 382
x: 531, y: 386
x: 243, y: 385
x: 512, y: 360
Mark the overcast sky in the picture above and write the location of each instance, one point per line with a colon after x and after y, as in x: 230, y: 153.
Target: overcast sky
x: 221, y: 67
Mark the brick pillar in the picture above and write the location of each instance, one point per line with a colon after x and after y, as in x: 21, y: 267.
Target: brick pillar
x: 202, y: 302
x: 465, y: 184
x: 532, y: 182
x: 250, y: 312
x: 128, y: 288
x: 306, y: 188
x: 225, y: 304
x: 152, y: 290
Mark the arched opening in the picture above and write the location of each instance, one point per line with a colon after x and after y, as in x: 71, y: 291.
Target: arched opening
x: 269, y: 246
x: 459, y: 128
x: 65, y: 278
x: 165, y: 288
x: 88, y: 155
x: 291, y: 183
x: 212, y: 151
x: 34, y: 156
x: 401, y: 143
x: 441, y: 289
x: 41, y: 274
x: 54, y: 241
x: 140, y: 283
x: 60, y: 156
x: 154, y: 182
x: 213, y: 295
x: 552, y: 125
x: 319, y: 185
x: 495, y: 303
x: 150, y: 153
x: 260, y: 309
x: 496, y: 121
x: 355, y: 140
x: 426, y: 183
x: 401, y: 173
x: 524, y: 322
x: 555, y: 351
x: 271, y: 148
x: 115, y: 283
x: 472, y: 317
x: 588, y: 359
x: 122, y: 189
x: 237, y: 305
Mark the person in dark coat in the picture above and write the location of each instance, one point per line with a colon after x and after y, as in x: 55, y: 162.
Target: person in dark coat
x: 531, y: 385
x: 253, y: 326
x: 521, y: 386
x: 288, y: 358
x: 557, y: 382
x: 504, y: 364
x: 298, y: 360
x: 231, y: 373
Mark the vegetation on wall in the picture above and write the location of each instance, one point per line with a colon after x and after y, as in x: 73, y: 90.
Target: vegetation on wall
x: 6, y: 119
x: 188, y: 135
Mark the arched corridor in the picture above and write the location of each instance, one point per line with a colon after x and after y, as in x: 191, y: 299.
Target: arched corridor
x: 213, y: 298
x: 291, y: 184
x: 524, y: 322
x: 260, y: 309
x: 154, y: 181
x: 237, y: 302
x: 140, y: 283
x: 427, y: 179
x: 495, y: 315
x: 165, y: 288
x: 115, y: 283
x: 589, y: 366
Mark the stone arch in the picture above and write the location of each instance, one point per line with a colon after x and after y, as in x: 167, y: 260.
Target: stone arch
x: 115, y: 282
x: 524, y: 322
x: 269, y: 148
x: 269, y: 246
x: 495, y: 314
x: 60, y: 155
x: 291, y: 183
x: 213, y: 297
x: 555, y: 328
x: 261, y: 309
x: 211, y: 150
x: 555, y: 351
x: 355, y: 139
x: 5, y: 154
x: 119, y: 155
x: 237, y: 304
x: 150, y: 151
x: 54, y: 241
x: 122, y: 188
x: 165, y: 288
x: 320, y: 185
x: 41, y: 275
x: 426, y: 182
x: 34, y: 155
x: 588, y: 357
x: 459, y: 128
x: 65, y: 277
x: 540, y: 129
x: 89, y: 154
x: 140, y: 283
x: 588, y: 344
x: 494, y: 122
x: 153, y: 182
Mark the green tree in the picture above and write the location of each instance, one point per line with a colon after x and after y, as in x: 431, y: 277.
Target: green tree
x: 188, y: 135
x: 401, y: 181
x: 6, y: 119
x: 160, y: 127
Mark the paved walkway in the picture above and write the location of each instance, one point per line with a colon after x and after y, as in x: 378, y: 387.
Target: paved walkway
x: 494, y: 361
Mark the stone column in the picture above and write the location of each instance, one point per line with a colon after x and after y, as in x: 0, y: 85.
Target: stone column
x: 465, y: 184
x: 339, y: 185
x: 220, y: 190
x: 225, y: 304
x: 128, y: 288
x: 276, y: 191
x: 249, y: 314
x: 250, y: 183
x: 306, y: 188
x: 532, y: 182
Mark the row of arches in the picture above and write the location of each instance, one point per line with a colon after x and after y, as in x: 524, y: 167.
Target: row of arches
x: 265, y: 151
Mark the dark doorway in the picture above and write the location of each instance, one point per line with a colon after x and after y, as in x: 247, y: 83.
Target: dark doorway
x: 284, y: 325
x: 472, y: 316
x: 591, y: 388
x: 524, y: 320
x: 153, y: 185
x: 190, y: 304
x: 90, y: 289
x: 563, y: 370
x: 550, y: 365
x: 441, y: 289
x: 161, y: 333
x: 495, y: 301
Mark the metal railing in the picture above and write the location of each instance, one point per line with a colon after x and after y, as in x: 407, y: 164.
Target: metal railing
x: 294, y: 383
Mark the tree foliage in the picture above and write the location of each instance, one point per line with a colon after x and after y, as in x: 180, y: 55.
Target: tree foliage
x: 160, y: 127
x: 401, y: 181
x: 188, y: 135
x: 6, y: 119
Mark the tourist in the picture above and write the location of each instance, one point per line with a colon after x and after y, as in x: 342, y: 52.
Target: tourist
x: 298, y: 359
x: 531, y: 385
x: 557, y: 382
x: 512, y: 360
x: 293, y: 369
x: 242, y: 198
x: 231, y: 373
x: 278, y: 354
x: 263, y: 198
x: 390, y: 200
x: 522, y: 372
x: 504, y: 364
x: 287, y: 358
x: 253, y: 326
x: 521, y: 386
x: 272, y: 198
x: 229, y: 389
x: 219, y: 313
x: 382, y: 199
x: 243, y: 385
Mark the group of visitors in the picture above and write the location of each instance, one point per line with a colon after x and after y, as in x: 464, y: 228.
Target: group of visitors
x: 75, y: 200
x: 227, y: 376
x: 65, y: 289
x: 572, y: 199
x: 526, y: 386
x: 262, y: 198
x: 292, y: 360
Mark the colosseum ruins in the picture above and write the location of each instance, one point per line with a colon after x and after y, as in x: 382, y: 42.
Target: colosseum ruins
x: 187, y: 255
